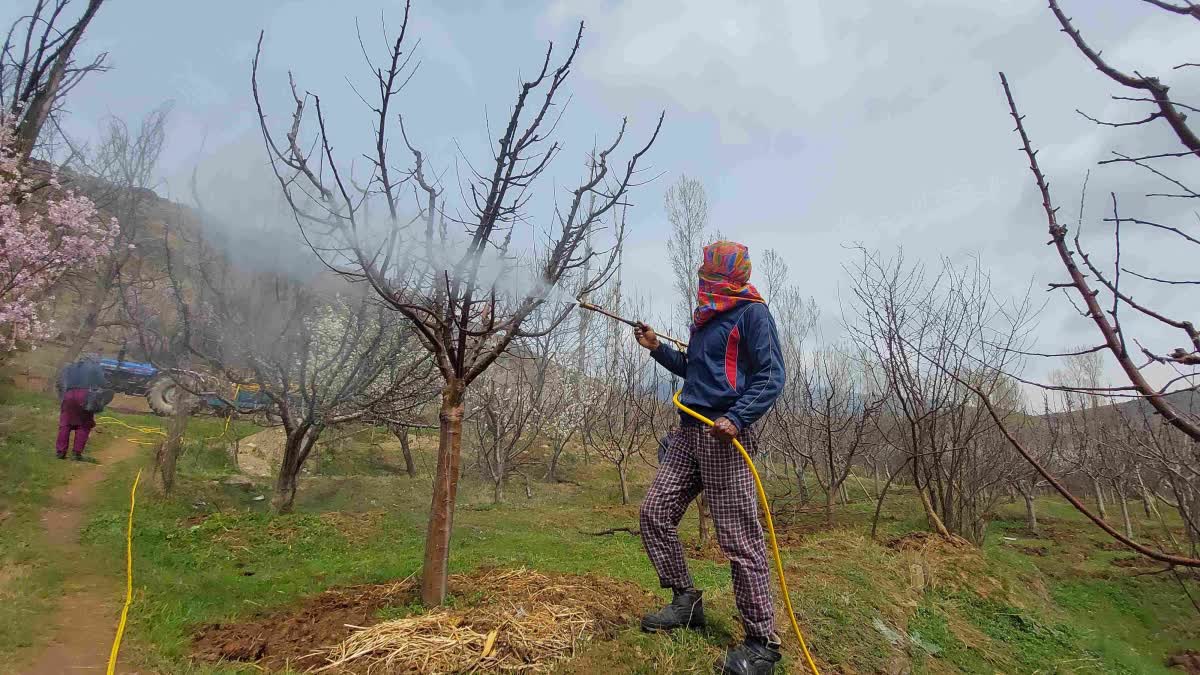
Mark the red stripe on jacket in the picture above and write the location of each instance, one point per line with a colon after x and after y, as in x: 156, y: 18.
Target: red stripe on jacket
x: 731, y: 355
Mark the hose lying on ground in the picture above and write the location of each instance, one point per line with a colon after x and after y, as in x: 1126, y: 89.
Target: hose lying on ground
x: 116, y: 646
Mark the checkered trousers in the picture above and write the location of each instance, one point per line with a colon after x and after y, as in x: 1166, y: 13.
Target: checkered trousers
x: 696, y: 461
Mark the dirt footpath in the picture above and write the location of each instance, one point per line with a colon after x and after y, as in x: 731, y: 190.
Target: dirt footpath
x: 82, y: 627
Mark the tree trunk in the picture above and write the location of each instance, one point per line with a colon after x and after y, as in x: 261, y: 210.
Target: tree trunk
x: 285, y: 492
x: 1189, y: 522
x: 285, y: 482
x: 406, y: 450
x: 801, y: 484
x: 1148, y: 504
x: 931, y: 516
x: 1030, y: 511
x: 168, y: 451
x: 498, y: 472
x: 883, y: 495
x: 232, y: 450
x: 624, y: 483
x: 934, y: 521
x: 702, y: 507
x: 295, y: 451
x: 1099, y: 498
x: 39, y: 107
x: 1119, y: 493
x: 445, y: 492
x: 552, y: 469
x: 829, y: 503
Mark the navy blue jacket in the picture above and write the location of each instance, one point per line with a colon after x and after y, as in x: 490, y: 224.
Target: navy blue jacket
x: 82, y: 374
x: 733, y: 366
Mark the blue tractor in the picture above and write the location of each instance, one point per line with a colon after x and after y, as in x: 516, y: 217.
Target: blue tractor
x: 162, y: 391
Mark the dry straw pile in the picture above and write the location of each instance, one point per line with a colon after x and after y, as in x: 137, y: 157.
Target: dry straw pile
x: 517, y: 621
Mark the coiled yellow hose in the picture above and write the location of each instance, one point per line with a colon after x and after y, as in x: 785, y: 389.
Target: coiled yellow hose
x: 762, y: 500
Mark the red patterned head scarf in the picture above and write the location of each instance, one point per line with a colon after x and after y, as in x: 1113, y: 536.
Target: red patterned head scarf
x: 724, y: 281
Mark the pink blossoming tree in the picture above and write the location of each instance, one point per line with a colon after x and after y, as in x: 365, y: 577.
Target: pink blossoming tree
x: 45, y: 231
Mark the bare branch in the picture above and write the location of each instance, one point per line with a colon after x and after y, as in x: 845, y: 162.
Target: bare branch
x: 1088, y: 295
x: 1158, y: 90
x: 1153, y: 116
x: 1187, y: 9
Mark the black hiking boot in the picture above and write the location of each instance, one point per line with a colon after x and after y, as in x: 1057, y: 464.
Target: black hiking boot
x: 755, y: 656
x: 685, y: 611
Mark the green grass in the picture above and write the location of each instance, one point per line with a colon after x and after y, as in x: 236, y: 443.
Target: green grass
x: 29, y: 573
x: 213, y: 552
x: 1001, y: 611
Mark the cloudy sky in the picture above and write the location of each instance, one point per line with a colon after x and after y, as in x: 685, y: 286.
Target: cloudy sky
x: 814, y: 125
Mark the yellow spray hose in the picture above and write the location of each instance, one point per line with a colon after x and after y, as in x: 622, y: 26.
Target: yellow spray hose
x: 116, y: 646
x: 762, y: 500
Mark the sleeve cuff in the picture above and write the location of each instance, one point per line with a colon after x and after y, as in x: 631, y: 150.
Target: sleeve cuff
x: 737, y: 421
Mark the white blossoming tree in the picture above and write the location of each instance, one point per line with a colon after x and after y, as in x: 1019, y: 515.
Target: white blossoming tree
x: 322, y: 353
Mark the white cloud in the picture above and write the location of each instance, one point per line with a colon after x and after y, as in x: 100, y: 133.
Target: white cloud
x: 896, y: 128
x: 775, y: 64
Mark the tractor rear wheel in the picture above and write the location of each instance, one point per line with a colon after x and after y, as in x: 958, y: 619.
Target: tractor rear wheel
x: 163, y: 395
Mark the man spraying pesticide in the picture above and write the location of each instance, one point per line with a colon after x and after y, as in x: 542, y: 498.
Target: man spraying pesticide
x: 733, y: 371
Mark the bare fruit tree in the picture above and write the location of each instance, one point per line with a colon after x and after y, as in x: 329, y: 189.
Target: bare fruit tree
x: 1106, y: 294
x: 509, y: 410
x: 687, y: 210
x: 928, y: 337
x: 1138, y: 314
x: 630, y: 413
x: 449, y: 271
x: 782, y: 434
x: 1083, y: 422
x: 570, y: 418
x: 771, y: 273
x: 38, y: 67
x: 838, y: 415
x: 1166, y: 471
x: 1045, y: 436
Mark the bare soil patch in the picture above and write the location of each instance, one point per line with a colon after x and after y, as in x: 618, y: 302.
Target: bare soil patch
x: 504, y: 619
x: 1037, y: 551
x: 1187, y: 661
x: 711, y: 551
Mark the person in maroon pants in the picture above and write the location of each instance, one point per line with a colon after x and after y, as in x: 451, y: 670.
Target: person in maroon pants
x: 73, y: 384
